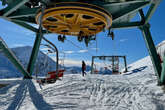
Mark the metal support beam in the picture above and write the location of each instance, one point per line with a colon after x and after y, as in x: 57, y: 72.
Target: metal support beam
x: 24, y: 20
x: 39, y: 36
x: 13, y: 6
x: 34, y: 53
x: 126, y: 25
x: 92, y: 64
x: 113, y: 59
x: 9, y: 54
x: 162, y: 79
x: 22, y: 24
x: 152, y: 50
x: 24, y: 13
x: 128, y: 10
x: 4, y: 2
x: 142, y: 16
x: 109, y: 4
x: 125, y: 63
x: 25, y: 25
x: 152, y: 10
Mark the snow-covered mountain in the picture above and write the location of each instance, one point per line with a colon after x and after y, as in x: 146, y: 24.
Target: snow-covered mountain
x: 42, y: 66
x: 45, y: 63
x: 77, y: 69
x: 7, y: 69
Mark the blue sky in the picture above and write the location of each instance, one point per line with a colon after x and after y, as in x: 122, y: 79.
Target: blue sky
x: 127, y: 42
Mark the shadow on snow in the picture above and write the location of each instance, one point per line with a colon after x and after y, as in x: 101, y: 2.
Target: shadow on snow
x: 36, y: 97
x: 137, y: 70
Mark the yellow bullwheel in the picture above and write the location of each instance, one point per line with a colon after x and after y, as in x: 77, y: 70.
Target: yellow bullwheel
x: 75, y: 18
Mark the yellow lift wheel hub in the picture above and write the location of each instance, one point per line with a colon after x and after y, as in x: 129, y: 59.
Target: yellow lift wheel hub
x: 76, y: 19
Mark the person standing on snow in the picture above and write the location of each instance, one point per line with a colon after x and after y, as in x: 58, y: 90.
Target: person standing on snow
x: 83, y: 68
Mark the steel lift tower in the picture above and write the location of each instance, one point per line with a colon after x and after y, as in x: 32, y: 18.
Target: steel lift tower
x: 80, y: 18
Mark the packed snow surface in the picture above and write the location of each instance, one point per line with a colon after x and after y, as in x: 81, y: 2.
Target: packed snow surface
x: 134, y: 90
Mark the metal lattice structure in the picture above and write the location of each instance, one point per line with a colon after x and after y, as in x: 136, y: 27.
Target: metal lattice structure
x: 24, y: 12
x: 114, y: 62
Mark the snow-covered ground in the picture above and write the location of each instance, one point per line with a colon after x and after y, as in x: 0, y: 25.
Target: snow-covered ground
x: 134, y: 90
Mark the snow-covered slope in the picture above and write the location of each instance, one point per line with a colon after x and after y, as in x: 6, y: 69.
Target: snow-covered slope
x: 43, y: 63
x: 134, y: 90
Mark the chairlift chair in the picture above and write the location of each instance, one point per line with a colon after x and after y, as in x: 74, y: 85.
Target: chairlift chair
x: 51, y: 76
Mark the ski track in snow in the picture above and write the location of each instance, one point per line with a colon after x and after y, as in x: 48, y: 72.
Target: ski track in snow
x: 134, y: 90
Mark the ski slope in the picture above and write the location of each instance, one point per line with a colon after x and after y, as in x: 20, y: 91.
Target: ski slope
x: 134, y: 90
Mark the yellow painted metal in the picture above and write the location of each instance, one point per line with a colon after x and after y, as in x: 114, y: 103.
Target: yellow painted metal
x: 75, y: 18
